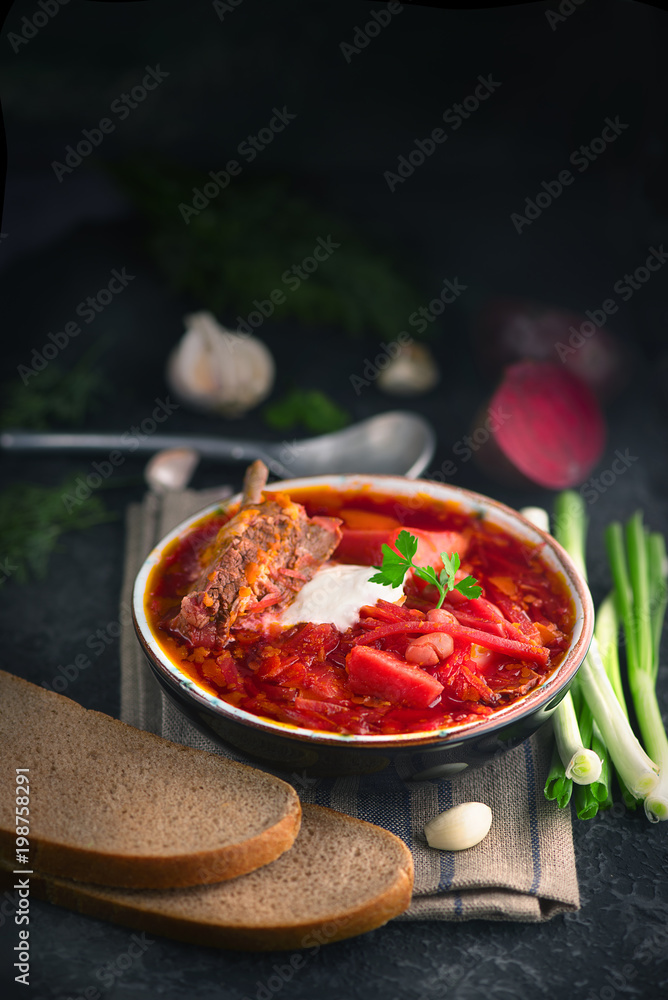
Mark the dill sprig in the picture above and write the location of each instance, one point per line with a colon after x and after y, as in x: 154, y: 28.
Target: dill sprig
x: 309, y: 408
x: 32, y: 520
x: 248, y: 240
x: 54, y: 396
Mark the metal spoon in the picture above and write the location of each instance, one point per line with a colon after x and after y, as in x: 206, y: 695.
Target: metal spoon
x: 393, y: 443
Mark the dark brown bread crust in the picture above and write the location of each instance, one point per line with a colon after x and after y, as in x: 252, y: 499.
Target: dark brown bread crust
x: 170, y: 872
x: 136, y: 869
x: 131, y: 910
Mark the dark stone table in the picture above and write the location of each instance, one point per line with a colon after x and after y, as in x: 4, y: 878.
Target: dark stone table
x: 453, y: 221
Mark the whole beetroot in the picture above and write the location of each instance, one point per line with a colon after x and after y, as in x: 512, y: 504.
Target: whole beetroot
x: 544, y: 425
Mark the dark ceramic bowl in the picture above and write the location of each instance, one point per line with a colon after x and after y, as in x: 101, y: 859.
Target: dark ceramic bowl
x: 437, y: 753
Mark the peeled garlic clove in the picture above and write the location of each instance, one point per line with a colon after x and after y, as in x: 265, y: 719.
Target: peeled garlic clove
x: 171, y: 469
x: 460, y: 827
x: 411, y: 372
x: 217, y: 370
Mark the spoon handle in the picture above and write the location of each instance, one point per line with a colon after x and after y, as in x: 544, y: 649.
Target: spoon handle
x: 229, y: 449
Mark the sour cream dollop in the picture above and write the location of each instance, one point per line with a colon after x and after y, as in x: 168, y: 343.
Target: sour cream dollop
x: 335, y: 594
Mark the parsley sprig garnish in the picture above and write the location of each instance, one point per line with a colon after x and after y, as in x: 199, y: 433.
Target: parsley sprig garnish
x: 396, y: 565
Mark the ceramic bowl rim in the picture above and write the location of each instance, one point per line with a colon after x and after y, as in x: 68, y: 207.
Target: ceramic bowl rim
x: 523, y: 707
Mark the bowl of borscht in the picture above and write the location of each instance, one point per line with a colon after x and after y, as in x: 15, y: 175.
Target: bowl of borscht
x: 344, y: 624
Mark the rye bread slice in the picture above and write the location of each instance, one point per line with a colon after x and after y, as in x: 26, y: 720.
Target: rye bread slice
x: 342, y: 877
x: 114, y: 805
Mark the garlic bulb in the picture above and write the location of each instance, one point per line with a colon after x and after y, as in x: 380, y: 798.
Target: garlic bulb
x: 411, y: 372
x: 219, y: 371
x: 458, y: 828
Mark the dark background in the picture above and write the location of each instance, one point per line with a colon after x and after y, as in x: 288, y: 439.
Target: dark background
x: 451, y: 219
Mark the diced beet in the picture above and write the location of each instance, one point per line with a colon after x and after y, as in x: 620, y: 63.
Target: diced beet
x: 383, y: 675
x: 365, y: 548
x: 224, y: 671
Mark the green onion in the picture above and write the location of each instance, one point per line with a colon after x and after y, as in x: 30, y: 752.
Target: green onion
x: 656, y: 558
x: 581, y: 765
x: 640, y: 596
x: 586, y: 804
x: 607, y: 632
x: 643, y: 646
x: 557, y: 785
x: 637, y: 770
x: 595, y: 795
x: 591, y: 737
x: 601, y: 788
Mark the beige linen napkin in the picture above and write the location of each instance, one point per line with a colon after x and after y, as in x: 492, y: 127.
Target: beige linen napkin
x: 523, y: 870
